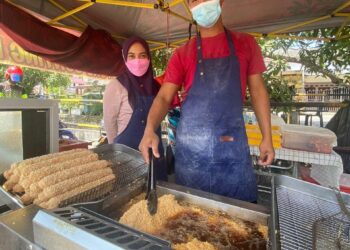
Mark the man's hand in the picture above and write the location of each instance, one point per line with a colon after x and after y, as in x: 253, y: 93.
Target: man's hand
x: 267, y: 153
x: 261, y: 105
x: 149, y: 140
x: 155, y: 116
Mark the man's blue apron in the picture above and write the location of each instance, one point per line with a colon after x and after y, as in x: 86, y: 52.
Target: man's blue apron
x: 212, y: 153
x: 133, y: 133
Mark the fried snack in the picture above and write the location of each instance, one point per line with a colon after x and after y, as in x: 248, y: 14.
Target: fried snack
x: 18, y: 166
x: 18, y: 189
x: 139, y: 218
x: 235, y: 225
x: 26, y: 199
x: 26, y: 170
x: 264, y: 230
x: 64, y: 173
x: 70, y: 184
x: 49, y: 156
x: 38, y: 174
x: 35, y: 190
x: 194, y: 245
x: 55, y: 201
x: 211, y: 227
x: 7, y: 174
x: 42, y: 197
x: 11, y: 182
x: 38, y: 201
x: 42, y: 204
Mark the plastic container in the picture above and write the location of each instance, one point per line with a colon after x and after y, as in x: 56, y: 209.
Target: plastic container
x: 254, y: 135
x: 256, y: 127
x: 311, y: 139
x: 344, y: 181
x: 65, y: 145
x: 257, y: 142
x: 276, y: 120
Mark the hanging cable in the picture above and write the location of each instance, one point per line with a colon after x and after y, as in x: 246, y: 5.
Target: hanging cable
x: 189, y: 31
x: 167, y: 29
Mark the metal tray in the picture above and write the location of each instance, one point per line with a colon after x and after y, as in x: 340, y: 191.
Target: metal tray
x: 11, y: 200
x: 113, y: 206
x: 128, y: 165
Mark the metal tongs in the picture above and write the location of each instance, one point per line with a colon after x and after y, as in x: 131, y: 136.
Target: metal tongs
x: 151, y: 196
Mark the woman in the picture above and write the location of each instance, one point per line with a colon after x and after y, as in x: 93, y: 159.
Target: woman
x: 128, y: 98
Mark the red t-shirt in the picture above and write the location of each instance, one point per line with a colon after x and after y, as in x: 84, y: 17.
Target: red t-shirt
x: 176, y: 102
x: 182, y: 65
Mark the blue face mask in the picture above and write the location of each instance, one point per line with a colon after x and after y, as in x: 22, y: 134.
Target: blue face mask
x: 207, y: 13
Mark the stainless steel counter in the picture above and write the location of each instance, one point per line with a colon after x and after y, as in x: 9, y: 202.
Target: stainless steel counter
x: 16, y: 229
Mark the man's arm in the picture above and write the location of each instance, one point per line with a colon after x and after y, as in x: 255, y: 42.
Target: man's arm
x: 156, y: 115
x: 261, y: 105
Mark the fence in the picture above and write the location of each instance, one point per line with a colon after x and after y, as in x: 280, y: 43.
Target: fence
x: 327, y: 95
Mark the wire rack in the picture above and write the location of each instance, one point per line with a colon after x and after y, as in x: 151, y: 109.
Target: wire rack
x: 127, y: 165
x: 332, y: 233
x: 306, y: 218
x: 326, y: 168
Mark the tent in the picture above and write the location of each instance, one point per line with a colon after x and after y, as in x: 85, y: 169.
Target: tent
x: 167, y: 23
x: 150, y: 20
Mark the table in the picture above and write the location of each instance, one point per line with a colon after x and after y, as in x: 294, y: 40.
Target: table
x: 326, y: 168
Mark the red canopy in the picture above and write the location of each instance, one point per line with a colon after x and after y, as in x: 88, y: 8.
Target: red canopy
x: 95, y: 51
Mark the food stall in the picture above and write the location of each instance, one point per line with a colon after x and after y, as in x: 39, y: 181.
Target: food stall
x: 113, y: 215
x: 96, y: 223
x: 58, y: 203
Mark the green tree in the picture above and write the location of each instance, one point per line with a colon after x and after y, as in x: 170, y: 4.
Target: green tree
x: 56, y: 82
x: 32, y: 77
x: 160, y: 60
x: 326, y: 58
x: 3, y: 68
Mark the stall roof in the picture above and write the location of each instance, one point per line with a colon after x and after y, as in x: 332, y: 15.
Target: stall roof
x: 167, y: 22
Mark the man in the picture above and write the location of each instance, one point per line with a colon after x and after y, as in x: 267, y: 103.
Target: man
x: 211, y: 151
x: 11, y: 87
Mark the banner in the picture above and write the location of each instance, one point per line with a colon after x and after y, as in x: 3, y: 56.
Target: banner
x: 11, y: 53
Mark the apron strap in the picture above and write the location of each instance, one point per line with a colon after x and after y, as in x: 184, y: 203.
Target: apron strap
x: 199, y: 46
x: 200, y: 55
x: 231, y: 45
x: 200, y: 49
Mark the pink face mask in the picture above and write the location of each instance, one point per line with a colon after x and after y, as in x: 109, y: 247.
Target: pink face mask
x: 138, y: 67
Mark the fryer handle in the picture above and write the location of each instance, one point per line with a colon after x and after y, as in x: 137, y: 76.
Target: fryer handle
x: 341, y: 202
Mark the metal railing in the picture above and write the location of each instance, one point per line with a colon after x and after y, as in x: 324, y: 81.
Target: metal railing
x: 336, y: 95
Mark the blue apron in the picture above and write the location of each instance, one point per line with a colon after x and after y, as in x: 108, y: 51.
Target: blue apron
x: 211, y: 114
x: 133, y: 133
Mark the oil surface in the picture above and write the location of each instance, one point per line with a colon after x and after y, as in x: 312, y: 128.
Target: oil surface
x: 219, y: 231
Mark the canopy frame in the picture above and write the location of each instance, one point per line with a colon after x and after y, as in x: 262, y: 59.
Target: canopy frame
x: 164, y: 6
